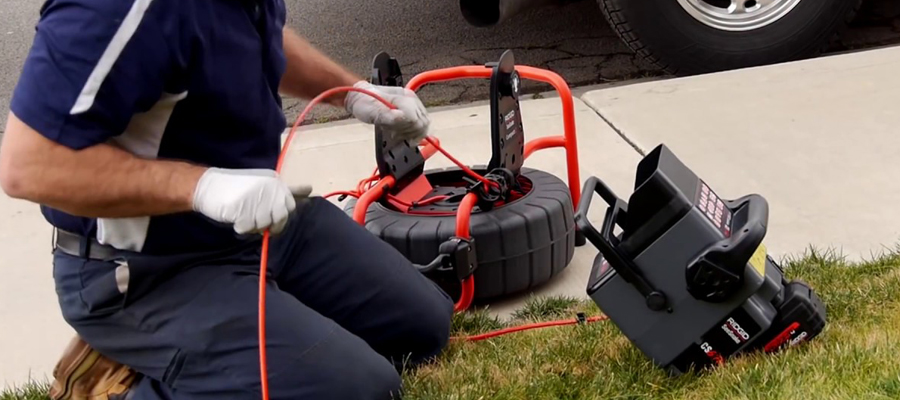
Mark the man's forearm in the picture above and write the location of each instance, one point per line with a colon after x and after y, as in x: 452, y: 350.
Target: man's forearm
x: 309, y: 72
x: 100, y: 181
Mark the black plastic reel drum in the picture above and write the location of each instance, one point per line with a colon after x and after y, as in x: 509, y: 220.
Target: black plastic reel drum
x: 522, y: 237
x: 688, y: 280
x: 519, y: 245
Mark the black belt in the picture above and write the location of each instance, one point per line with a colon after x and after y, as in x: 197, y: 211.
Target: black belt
x: 77, y: 245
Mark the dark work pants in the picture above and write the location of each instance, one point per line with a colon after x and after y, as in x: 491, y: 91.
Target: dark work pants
x: 344, y: 310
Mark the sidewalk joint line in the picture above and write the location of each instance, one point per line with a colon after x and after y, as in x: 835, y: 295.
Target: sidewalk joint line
x: 615, y: 128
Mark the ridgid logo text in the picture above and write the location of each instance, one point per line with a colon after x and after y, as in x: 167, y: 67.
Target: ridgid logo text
x: 735, y: 331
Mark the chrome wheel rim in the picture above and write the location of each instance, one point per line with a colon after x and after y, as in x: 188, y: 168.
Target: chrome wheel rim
x: 738, y: 15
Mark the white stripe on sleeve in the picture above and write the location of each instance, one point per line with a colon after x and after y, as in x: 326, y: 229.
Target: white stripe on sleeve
x: 113, y: 50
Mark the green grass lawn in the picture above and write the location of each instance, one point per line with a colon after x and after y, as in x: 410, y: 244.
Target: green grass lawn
x: 29, y: 391
x: 855, y: 358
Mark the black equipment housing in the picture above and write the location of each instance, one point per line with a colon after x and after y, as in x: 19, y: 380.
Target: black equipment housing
x: 688, y: 279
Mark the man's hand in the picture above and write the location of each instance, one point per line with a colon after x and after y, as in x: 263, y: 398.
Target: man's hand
x: 308, y: 73
x: 409, y: 121
x: 253, y: 200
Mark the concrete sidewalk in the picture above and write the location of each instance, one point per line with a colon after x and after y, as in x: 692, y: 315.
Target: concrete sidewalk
x: 819, y: 139
x: 816, y: 138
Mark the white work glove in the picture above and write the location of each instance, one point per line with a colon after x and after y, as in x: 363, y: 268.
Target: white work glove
x: 250, y: 199
x: 409, y: 121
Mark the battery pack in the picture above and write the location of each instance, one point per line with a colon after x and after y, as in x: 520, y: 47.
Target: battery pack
x: 688, y: 278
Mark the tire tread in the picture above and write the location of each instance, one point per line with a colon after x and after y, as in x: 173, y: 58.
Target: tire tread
x: 614, y: 14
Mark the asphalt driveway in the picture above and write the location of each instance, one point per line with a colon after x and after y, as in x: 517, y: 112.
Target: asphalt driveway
x: 426, y: 34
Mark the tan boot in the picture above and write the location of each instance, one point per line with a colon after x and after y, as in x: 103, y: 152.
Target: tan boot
x: 84, y: 374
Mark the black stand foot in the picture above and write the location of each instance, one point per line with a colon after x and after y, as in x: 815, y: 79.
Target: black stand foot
x: 580, y: 240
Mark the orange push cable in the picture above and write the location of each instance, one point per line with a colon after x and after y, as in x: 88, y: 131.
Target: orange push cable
x: 264, y: 257
x: 538, y: 325
x: 362, y: 187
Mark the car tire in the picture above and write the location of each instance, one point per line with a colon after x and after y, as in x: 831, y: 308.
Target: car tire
x: 687, y: 37
x: 519, y: 245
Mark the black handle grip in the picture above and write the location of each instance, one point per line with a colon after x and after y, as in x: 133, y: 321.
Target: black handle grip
x: 607, y: 243
x: 604, y: 240
x: 747, y: 237
x: 718, y: 271
x: 736, y: 250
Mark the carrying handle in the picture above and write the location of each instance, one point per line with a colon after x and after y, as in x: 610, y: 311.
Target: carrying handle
x: 606, y: 242
x: 747, y: 237
x: 735, y: 251
x: 718, y: 271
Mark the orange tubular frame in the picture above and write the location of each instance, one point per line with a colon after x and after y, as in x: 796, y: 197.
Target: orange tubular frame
x: 568, y: 140
x: 463, y: 216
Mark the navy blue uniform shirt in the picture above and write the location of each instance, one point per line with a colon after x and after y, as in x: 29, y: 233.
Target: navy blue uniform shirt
x: 194, y: 80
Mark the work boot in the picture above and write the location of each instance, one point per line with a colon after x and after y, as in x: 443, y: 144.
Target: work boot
x: 84, y: 374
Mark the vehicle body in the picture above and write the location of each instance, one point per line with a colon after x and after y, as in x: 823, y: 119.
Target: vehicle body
x: 688, y: 37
